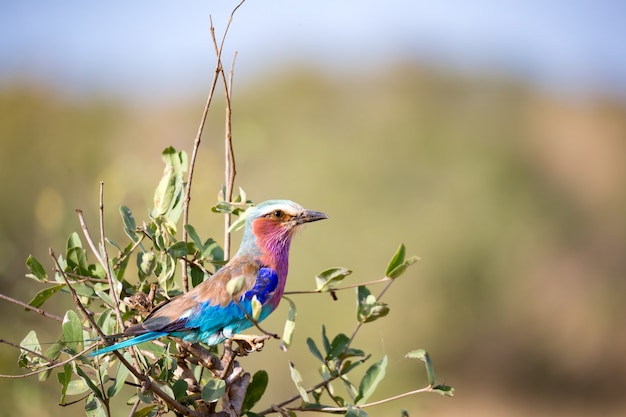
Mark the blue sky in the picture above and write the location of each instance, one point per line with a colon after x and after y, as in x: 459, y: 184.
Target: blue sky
x: 161, y: 48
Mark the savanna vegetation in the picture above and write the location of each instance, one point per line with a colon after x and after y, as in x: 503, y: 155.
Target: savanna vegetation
x: 512, y: 197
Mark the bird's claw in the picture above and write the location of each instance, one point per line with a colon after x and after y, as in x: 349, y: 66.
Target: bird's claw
x: 249, y: 343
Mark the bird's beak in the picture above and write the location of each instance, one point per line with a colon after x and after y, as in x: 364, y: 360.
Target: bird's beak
x: 308, y: 216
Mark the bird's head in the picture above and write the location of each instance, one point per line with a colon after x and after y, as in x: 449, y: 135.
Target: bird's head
x: 271, y: 224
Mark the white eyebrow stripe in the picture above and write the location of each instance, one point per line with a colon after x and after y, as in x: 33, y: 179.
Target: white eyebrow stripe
x: 287, y: 208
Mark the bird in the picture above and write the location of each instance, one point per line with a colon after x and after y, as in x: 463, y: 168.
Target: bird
x: 211, y: 314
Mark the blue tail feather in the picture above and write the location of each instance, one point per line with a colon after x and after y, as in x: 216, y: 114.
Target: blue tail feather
x: 129, y: 342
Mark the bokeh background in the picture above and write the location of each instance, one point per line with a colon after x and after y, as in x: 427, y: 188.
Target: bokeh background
x: 489, y: 137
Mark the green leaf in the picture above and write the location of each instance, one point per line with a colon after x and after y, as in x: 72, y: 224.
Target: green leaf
x: 398, y: 264
x: 399, y: 270
x: 146, y: 261
x: 64, y: 379
x: 43, y: 295
x: 396, y: 260
x: 168, y: 196
x: 145, y: 412
x: 37, y: 272
x: 297, y: 380
x: 313, y: 349
x: 290, y: 325
x: 348, y: 366
x: 28, y: 360
x: 73, y: 331
x: 197, y: 275
x: 191, y: 231
x: 338, y: 346
x: 73, y: 241
x: 349, y: 386
x: 325, y: 341
x: 83, y: 290
x: 368, y: 308
x: 235, y: 285
x: 180, y: 388
x: 213, y: 390
x: 444, y: 390
x: 105, y: 297
x: 54, y: 351
x: 77, y: 260
x: 211, y: 249
x: 130, y: 226
x: 93, y: 387
x: 178, y: 250
x: 330, y: 278
x: 355, y: 412
x: 423, y: 356
x: 94, y: 407
x: 370, y: 380
x: 107, y: 322
x: 255, y: 390
x: 77, y: 387
x: 224, y: 207
x: 256, y: 307
x: 120, y: 377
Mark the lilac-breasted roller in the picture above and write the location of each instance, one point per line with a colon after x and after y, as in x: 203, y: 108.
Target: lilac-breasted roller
x: 208, y: 313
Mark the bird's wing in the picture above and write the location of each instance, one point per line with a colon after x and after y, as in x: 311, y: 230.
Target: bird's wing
x: 209, y: 307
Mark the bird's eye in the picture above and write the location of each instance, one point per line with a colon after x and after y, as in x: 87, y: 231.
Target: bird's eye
x: 278, y: 214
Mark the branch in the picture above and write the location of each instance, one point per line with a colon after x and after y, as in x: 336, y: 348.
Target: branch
x: 359, y: 324
x: 344, y: 409
x: 32, y: 352
x: 97, y: 254
x: 229, y: 158
x: 346, y: 287
x: 197, y: 140
x: 106, y: 266
x: 31, y: 308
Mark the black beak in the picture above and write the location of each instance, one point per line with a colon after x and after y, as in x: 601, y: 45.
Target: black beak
x: 308, y: 216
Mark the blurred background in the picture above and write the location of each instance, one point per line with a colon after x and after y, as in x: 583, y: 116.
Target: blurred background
x: 488, y: 137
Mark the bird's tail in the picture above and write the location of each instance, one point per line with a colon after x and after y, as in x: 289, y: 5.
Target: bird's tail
x: 128, y: 342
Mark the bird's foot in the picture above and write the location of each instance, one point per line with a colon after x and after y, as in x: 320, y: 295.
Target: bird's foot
x: 249, y: 343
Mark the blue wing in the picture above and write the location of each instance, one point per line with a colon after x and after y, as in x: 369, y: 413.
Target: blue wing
x: 199, y: 316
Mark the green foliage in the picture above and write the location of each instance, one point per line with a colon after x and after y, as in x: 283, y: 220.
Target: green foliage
x: 158, y: 252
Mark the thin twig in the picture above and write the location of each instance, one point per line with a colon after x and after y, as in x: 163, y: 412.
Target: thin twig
x: 194, y: 152
x: 55, y: 364
x: 359, y: 324
x: 280, y: 405
x: 92, y: 245
x: 229, y: 156
x: 131, y: 250
x: 253, y: 321
x: 229, y: 168
x: 346, y: 287
x: 325, y: 382
x: 105, y: 261
x: 32, y: 352
x: 344, y: 409
x: 31, y: 308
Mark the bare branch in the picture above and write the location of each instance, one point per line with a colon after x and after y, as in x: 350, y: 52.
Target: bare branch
x: 105, y: 261
x: 31, y: 308
x: 32, y: 352
x: 346, y: 287
x: 196, y: 143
